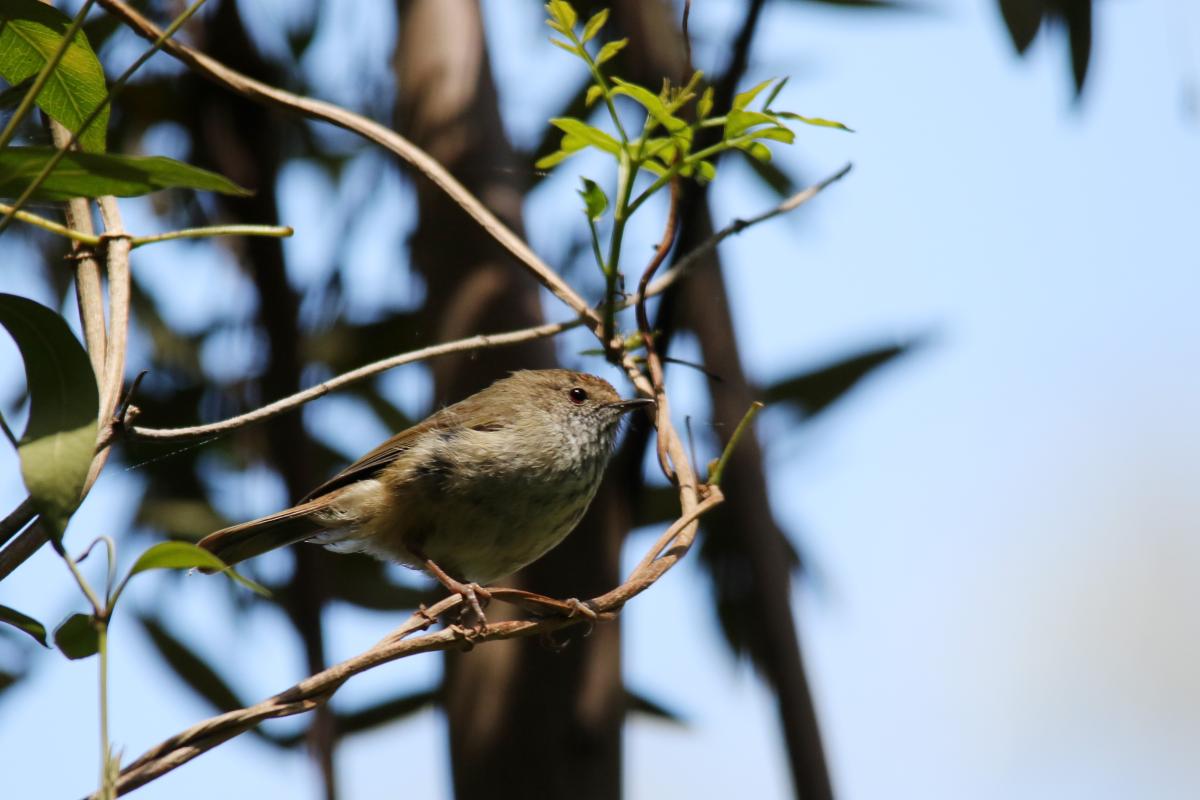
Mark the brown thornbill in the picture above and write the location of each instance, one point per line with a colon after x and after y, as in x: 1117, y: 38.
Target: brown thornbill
x: 473, y: 493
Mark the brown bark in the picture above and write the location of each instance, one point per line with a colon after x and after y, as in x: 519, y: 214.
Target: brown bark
x: 752, y: 572
x: 511, y: 704
x: 243, y: 140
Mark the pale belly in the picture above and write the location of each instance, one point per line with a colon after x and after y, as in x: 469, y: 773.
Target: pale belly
x: 477, y: 533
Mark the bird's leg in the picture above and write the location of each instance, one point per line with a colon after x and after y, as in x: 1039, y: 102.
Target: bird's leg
x: 472, y: 593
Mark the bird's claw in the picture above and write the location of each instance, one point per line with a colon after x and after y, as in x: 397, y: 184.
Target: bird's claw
x: 476, y: 597
x: 576, y: 607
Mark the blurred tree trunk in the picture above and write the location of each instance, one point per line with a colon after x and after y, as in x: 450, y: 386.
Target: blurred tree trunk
x: 242, y: 140
x: 511, y: 703
x: 747, y: 553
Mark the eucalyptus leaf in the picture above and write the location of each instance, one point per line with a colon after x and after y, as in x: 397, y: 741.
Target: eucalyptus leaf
x: 92, y: 175
x: 76, y: 637
x: 817, y: 121
x: 594, y: 199
x: 60, y: 436
x: 30, y: 33
x: 610, y: 50
x: 588, y: 134
x: 185, y: 555
x: 25, y: 623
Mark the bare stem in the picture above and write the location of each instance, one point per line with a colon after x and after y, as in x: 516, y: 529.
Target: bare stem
x: 718, y: 470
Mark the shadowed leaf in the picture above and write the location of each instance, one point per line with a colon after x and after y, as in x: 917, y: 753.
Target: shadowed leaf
x: 92, y: 175
x: 1023, y: 18
x: 640, y: 704
x: 201, y: 678
x: 24, y: 623
x: 76, y: 637
x: 30, y: 33
x: 812, y: 392
x: 56, y: 448
x: 185, y: 555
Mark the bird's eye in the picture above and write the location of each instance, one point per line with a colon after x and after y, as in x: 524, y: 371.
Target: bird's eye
x: 578, y: 396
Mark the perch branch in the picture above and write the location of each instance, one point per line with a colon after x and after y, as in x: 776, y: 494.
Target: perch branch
x: 372, y: 131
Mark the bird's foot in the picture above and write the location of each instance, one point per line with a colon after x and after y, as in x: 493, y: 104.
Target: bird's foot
x: 576, y: 607
x: 476, y: 597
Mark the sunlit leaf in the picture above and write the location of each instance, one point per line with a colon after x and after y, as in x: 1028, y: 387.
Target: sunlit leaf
x: 25, y: 623
x: 77, y: 637
x: 586, y: 134
x: 594, y: 24
x: 92, y: 175
x: 30, y: 33
x: 594, y: 199
x: 60, y: 436
x: 651, y: 102
x: 743, y: 99
x: 593, y: 94
x: 812, y: 392
x: 185, y: 555
x: 705, y: 103
x: 610, y: 50
x: 817, y: 121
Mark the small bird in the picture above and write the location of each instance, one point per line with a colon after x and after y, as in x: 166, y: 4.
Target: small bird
x: 471, y: 494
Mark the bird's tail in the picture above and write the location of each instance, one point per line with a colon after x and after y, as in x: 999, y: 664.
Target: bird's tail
x: 239, y: 542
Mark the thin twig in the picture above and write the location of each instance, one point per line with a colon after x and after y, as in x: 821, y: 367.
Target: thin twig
x: 317, y: 689
x: 656, y: 287
x: 718, y: 470
x: 653, y: 362
x: 17, y: 519
x: 373, y: 131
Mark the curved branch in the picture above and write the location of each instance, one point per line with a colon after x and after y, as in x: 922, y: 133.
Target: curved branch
x: 655, y: 287
x: 372, y: 131
x: 317, y: 689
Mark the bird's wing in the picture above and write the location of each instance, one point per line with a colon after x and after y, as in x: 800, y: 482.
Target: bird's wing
x: 465, y: 414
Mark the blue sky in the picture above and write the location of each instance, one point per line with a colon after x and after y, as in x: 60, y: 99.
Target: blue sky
x: 1002, y: 527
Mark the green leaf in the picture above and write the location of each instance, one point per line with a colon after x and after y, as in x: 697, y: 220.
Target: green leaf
x: 185, y: 555
x: 776, y: 134
x: 25, y: 623
x: 77, y: 637
x: 593, y: 94
x: 757, y: 150
x: 594, y: 24
x: 30, y: 33
x: 818, y: 121
x: 651, y: 102
x: 737, y: 122
x: 588, y: 134
x: 60, y: 436
x: 705, y: 103
x: 562, y: 12
x: 594, y: 199
x: 774, y: 93
x: 610, y: 50
x: 706, y: 171
x: 555, y: 158
x: 744, y: 99
x: 91, y: 175
x: 570, y: 48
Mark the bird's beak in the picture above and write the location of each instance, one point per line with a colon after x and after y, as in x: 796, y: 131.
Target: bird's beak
x: 629, y: 405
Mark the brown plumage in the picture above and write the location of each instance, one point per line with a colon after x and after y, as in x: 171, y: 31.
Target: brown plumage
x: 480, y: 488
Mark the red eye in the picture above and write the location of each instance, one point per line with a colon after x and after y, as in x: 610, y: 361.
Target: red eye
x: 578, y: 396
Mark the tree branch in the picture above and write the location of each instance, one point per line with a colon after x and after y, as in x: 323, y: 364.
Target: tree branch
x: 481, y: 341
x: 317, y: 689
x: 372, y: 131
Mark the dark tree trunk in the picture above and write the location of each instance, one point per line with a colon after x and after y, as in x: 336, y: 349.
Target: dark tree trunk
x: 243, y: 140
x: 509, y: 704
